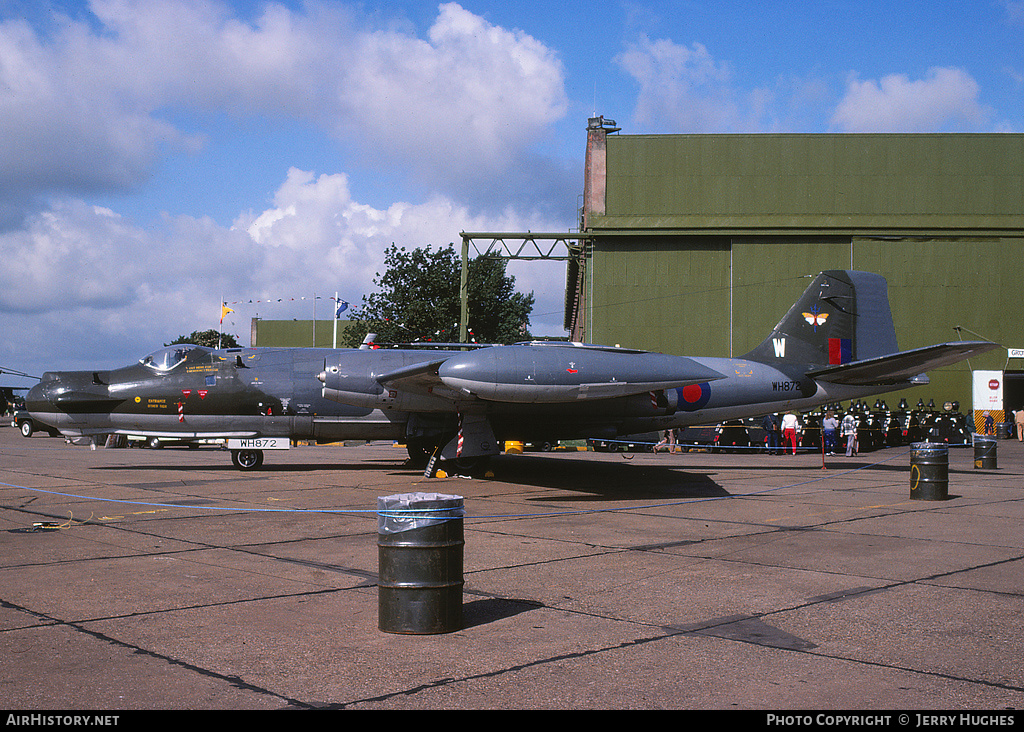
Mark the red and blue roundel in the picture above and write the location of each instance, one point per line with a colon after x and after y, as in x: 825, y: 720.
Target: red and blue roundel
x: 693, y: 397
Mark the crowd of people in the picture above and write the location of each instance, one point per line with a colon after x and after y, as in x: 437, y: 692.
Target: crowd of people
x: 842, y: 432
x: 791, y: 428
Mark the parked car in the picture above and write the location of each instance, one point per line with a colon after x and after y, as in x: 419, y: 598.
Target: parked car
x: 23, y: 421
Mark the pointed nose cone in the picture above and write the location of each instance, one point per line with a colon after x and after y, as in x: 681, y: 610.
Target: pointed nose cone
x: 36, y: 399
x: 41, y: 396
x: 72, y: 391
x: 39, y: 406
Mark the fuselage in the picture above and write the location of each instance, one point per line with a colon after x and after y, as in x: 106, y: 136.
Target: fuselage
x: 526, y: 393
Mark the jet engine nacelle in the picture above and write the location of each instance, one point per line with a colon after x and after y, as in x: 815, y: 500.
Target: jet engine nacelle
x: 356, y: 379
x: 357, y: 389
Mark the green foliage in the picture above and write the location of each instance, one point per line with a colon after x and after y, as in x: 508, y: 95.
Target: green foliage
x: 418, y: 300
x: 208, y: 338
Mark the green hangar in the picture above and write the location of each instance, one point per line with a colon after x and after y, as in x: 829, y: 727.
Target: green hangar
x: 698, y: 244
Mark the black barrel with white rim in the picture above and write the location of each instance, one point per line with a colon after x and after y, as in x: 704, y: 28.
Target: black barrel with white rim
x: 420, y: 543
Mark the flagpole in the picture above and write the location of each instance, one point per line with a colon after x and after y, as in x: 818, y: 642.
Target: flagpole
x: 336, y: 305
x: 220, y: 328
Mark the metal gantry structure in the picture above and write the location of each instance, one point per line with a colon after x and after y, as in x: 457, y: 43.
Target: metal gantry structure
x: 570, y: 247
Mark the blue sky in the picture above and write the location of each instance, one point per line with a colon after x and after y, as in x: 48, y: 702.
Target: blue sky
x: 157, y: 156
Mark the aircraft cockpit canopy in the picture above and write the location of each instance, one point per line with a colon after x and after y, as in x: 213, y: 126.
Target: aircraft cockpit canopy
x: 170, y: 356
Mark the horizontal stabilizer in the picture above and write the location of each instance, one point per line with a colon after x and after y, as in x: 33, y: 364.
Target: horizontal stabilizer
x: 899, y: 367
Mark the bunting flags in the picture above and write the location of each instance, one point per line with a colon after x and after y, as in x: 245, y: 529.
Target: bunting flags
x: 226, y: 305
x: 342, y: 304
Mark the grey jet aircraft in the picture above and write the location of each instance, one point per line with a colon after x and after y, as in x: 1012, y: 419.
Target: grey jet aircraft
x: 836, y: 343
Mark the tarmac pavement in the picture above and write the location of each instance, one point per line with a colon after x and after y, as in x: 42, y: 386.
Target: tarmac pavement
x: 166, y: 579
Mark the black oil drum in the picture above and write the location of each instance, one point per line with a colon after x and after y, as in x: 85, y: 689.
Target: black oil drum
x: 420, y: 545
x: 929, y: 471
x: 985, y: 452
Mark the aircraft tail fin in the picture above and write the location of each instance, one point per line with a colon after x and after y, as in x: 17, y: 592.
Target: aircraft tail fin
x: 843, y: 316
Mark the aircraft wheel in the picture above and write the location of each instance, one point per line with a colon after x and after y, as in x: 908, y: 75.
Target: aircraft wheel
x: 154, y: 443
x: 247, y: 459
x: 26, y: 428
x: 470, y: 465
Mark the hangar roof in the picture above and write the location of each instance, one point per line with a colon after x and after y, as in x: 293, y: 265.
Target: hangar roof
x: 814, y: 183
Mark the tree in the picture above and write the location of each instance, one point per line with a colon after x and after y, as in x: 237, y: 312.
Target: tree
x: 418, y: 300
x: 211, y: 338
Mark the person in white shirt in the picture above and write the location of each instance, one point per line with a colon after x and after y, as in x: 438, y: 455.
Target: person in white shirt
x: 849, y: 429
x: 790, y: 427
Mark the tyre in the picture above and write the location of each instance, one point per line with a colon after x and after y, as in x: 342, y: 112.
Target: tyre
x: 26, y: 428
x: 247, y: 459
x: 469, y: 465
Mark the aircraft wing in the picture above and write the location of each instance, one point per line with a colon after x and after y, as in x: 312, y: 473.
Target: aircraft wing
x: 528, y: 374
x: 899, y: 367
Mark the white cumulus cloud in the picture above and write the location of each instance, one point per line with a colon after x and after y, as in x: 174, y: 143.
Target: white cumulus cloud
x: 87, y: 104
x: 946, y: 99
x: 468, y: 97
x: 685, y: 89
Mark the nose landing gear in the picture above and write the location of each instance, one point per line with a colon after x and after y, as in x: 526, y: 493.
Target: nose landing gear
x: 247, y: 459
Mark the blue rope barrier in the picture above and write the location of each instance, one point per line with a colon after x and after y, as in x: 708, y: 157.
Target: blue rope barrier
x: 406, y: 512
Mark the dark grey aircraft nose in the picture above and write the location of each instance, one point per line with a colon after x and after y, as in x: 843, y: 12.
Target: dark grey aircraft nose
x: 36, y: 400
x: 70, y: 391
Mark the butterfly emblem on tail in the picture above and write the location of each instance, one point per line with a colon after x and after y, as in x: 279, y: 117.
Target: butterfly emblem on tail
x: 815, y: 317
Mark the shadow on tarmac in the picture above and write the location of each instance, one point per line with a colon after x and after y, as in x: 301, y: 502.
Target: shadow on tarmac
x: 267, y: 467
x: 491, y: 609
x: 603, y: 480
